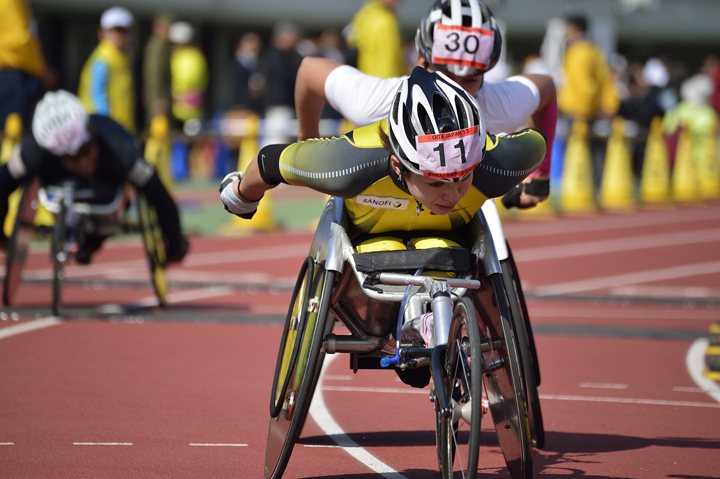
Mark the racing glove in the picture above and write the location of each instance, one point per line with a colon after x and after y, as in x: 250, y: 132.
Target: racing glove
x: 535, y: 187
x: 233, y: 204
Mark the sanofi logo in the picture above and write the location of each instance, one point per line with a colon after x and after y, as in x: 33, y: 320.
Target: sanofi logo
x: 383, y: 202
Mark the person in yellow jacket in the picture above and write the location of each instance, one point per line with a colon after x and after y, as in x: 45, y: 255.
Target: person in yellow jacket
x: 106, y: 82
x: 588, y: 91
x: 188, y: 73
x: 21, y: 59
x: 375, y: 33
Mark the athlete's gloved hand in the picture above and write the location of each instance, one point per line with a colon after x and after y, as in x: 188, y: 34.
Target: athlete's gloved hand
x: 231, y: 201
x: 535, y: 187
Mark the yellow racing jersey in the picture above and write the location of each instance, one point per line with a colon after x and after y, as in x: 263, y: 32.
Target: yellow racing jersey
x: 357, y: 168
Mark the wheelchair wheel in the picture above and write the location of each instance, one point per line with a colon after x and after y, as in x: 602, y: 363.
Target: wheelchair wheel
x: 19, y: 240
x: 58, y: 251
x: 299, y: 361
x: 154, y: 247
x: 503, y: 377
x: 458, y: 434
x: 537, y: 430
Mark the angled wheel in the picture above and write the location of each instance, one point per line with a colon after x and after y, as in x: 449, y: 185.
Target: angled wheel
x: 154, y: 247
x: 525, y: 352
x: 457, y: 429
x: 503, y: 376
x: 58, y: 251
x: 20, y: 240
x: 299, y: 362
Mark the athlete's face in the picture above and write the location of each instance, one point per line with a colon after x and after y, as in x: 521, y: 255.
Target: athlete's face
x: 84, y: 163
x: 440, y: 197
x: 470, y: 83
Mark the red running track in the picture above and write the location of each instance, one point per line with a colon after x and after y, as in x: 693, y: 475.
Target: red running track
x: 621, y: 307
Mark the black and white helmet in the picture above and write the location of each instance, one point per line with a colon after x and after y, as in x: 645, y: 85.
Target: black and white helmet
x: 436, y: 127
x: 459, y: 36
x: 60, y: 123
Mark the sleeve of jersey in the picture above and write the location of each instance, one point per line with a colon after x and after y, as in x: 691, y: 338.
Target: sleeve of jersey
x: 508, y: 160
x: 336, y: 167
x: 362, y: 99
x: 508, y: 104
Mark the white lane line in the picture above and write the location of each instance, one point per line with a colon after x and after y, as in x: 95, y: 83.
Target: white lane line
x: 683, y: 389
x: 29, y: 326
x: 657, y: 402
x: 322, y: 417
x: 217, y: 445
x: 7, y: 443
x: 654, y: 402
x: 609, y: 222
x: 102, y: 444
x: 603, y: 386
x: 695, y: 363
x: 629, y: 278
x: 589, y: 248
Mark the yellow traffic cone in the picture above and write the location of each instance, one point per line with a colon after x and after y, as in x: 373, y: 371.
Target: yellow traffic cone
x: 264, y: 218
x: 157, y: 150
x: 13, y: 134
x: 576, y: 188
x: 708, y: 166
x: 684, y: 177
x: 617, y: 190
x: 655, y: 180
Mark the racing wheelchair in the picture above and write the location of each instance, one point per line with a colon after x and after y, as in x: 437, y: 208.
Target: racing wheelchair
x: 79, y: 210
x: 474, y: 341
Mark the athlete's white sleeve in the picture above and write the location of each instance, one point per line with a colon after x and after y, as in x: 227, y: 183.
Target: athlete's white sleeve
x: 508, y: 104
x: 362, y: 99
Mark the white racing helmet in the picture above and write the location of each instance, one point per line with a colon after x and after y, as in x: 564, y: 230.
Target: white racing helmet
x: 436, y: 128
x: 60, y: 123
x: 459, y: 36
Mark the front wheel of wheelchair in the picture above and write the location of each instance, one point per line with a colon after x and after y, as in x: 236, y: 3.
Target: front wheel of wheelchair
x: 526, y: 352
x: 19, y: 240
x: 58, y: 251
x: 154, y: 247
x: 299, y: 361
x: 457, y: 431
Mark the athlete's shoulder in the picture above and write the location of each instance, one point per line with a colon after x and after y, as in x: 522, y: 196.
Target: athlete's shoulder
x: 105, y: 125
x: 369, y: 136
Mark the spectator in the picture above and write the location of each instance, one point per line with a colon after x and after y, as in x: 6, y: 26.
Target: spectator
x: 375, y: 33
x: 106, y: 82
x: 156, y: 69
x: 281, y: 65
x: 246, y: 81
x: 188, y: 73
x: 22, y: 63
x: 588, y: 92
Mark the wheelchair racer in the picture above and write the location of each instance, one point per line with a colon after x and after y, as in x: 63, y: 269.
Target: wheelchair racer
x: 97, y: 153
x: 430, y: 166
x: 462, y: 39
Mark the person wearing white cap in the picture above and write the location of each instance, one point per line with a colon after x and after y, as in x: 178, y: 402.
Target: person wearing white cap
x: 188, y: 73
x: 106, y: 82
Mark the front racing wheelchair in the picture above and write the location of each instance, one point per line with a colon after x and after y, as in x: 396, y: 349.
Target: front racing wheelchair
x: 472, y: 343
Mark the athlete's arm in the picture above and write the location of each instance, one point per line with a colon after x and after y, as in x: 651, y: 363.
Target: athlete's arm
x: 310, y: 94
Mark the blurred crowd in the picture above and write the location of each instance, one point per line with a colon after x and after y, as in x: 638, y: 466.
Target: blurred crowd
x: 593, y: 85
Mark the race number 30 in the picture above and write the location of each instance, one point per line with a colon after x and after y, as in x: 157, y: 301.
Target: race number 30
x: 462, y: 46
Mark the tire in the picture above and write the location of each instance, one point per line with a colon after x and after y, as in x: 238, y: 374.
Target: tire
x: 302, y: 373
x: 58, y: 252
x: 503, y: 377
x: 537, y: 429
x: 19, y: 241
x: 154, y: 247
x: 525, y: 315
x: 458, y: 434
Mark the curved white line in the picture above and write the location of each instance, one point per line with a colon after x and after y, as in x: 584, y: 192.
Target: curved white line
x: 29, y: 326
x: 695, y: 363
x: 322, y: 417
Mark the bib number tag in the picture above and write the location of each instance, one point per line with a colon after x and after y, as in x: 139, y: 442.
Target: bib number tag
x: 462, y: 46
x: 449, y: 155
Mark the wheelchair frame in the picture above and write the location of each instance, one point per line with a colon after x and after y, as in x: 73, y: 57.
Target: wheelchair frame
x: 363, y: 308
